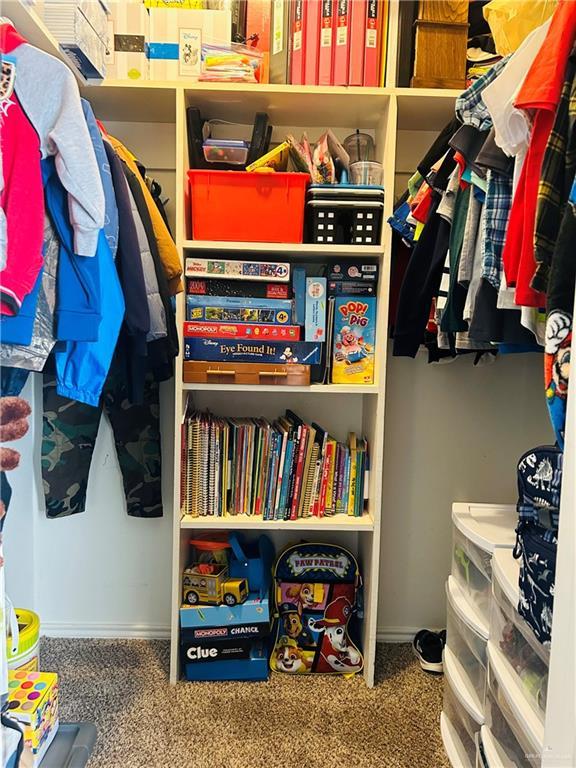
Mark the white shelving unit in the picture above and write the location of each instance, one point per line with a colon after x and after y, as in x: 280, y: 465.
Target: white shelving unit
x: 386, y: 113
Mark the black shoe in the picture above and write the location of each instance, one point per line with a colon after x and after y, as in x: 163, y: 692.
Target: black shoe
x: 428, y: 647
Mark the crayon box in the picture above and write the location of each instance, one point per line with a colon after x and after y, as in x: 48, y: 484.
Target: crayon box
x: 354, y: 340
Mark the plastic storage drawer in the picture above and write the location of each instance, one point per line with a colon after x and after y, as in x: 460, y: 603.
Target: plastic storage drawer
x: 506, y: 689
x: 505, y: 743
x: 528, y: 658
x: 248, y: 207
x: 464, y: 725
x: 464, y: 642
x: 472, y: 570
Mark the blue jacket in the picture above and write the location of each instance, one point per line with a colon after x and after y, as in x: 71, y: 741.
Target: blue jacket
x: 82, y: 366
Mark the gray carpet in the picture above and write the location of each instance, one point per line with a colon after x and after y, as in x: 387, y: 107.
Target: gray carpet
x: 304, y: 722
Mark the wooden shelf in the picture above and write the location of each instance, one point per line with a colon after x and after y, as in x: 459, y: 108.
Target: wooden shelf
x: 318, y: 389
x: 245, y: 522
x: 291, y: 249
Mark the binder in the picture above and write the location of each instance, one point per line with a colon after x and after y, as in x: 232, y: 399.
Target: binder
x: 383, y: 42
x: 353, y: 472
x: 342, y: 42
x: 357, y: 26
x: 326, y: 51
x: 312, y: 9
x: 371, y: 39
x: 280, y: 42
x: 298, y: 40
x: 258, y: 14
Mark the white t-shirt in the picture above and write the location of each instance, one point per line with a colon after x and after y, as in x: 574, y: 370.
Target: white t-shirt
x: 511, y: 125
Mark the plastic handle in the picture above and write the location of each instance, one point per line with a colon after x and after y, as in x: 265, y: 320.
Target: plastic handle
x: 283, y: 374
x: 218, y: 372
x: 237, y: 549
x: 14, y: 629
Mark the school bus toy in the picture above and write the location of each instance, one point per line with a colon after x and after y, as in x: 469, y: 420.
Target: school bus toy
x: 209, y: 583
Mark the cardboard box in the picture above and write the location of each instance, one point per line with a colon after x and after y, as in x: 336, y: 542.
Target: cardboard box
x: 252, y: 351
x: 236, y: 309
x: 95, y: 13
x: 354, y: 340
x: 33, y: 703
x: 176, y: 38
x: 253, y: 668
x: 77, y: 38
x: 129, y: 32
x: 238, y: 270
x: 254, y: 331
x: 315, y: 315
x: 250, y: 612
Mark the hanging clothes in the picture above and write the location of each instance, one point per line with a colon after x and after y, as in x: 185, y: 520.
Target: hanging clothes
x: 69, y: 436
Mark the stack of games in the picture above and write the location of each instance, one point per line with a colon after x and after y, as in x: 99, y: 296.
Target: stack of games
x: 225, y: 614
x: 256, y: 322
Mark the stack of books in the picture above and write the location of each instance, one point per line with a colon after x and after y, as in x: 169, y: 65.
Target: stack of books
x: 281, y: 470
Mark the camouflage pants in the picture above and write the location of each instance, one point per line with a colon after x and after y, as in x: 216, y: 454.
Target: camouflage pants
x: 69, y: 435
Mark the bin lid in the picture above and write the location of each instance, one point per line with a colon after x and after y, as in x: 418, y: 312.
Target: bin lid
x: 489, y: 526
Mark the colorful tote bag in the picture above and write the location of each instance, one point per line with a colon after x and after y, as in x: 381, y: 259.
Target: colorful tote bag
x: 316, y: 592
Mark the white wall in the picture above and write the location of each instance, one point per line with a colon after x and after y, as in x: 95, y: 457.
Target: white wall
x: 453, y: 433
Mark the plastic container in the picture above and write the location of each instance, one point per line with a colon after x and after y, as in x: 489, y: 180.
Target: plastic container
x: 505, y: 744
x: 465, y: 643
x: 479, y: 531
x: 359, y: 146
x: 472, y: 570
x: 225, y: 151
x: 456, y: 750
x: 461, y: 720
x: 527, y: 658
x: 247, y: 207
x: 365, y: 172
x: 507, y: 692
x: 23, y: 641
x: 345, y: 214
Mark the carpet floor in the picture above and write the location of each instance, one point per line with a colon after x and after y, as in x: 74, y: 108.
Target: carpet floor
x: 304, y: 722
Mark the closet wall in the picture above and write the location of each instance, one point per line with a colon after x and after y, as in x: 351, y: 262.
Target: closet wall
x: 453, y: 432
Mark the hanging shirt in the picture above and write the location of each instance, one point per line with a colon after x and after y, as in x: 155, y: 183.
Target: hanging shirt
x: 49, y: 95
x: 22, y: 201
x: 538, y: 97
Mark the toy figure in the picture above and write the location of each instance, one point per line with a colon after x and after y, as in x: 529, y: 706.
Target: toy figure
x: 289, y: 658
x: 304, y: 594
x: 337, y: 649
x: 294, y: 625
x: 351, y: 347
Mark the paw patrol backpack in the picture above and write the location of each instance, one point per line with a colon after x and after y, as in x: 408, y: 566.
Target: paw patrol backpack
x: 316, y: 590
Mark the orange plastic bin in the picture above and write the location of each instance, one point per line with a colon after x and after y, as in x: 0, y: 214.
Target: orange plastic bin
x: 248, y: 207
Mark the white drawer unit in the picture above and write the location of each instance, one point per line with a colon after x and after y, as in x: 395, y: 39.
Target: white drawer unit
x: 479, y: 530
x: 527, y: 659
x: 460, y: 720
x: 467, y: 637
x: 507, y: 690
x: 504, y: 741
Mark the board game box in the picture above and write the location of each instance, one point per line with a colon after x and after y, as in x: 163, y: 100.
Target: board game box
x: 354, y: 340
x: 238, y: 270
x: 252, y: 351
x: 236, y: 309
x: 241, y: 331
x: 248, y: 288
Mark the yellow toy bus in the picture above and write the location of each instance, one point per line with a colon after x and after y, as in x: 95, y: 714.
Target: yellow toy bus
x: 209, y: 584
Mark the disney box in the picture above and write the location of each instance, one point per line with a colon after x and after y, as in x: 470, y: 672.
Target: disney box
x: 252, y: 351
x: 354, y: 340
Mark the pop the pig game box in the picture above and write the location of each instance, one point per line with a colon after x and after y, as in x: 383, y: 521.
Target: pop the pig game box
x: 354, y: 340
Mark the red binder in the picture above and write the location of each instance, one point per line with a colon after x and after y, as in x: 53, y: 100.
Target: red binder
x: 297, y: 40
x: 326, y: 43
x: 357, y: 27
x: 342, y: 41
x: 312, y: 9
x: 372, y: 43
x: 258, y: 32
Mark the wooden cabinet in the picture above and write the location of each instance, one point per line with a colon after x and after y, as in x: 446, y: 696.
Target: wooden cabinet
x: 440, y: 44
